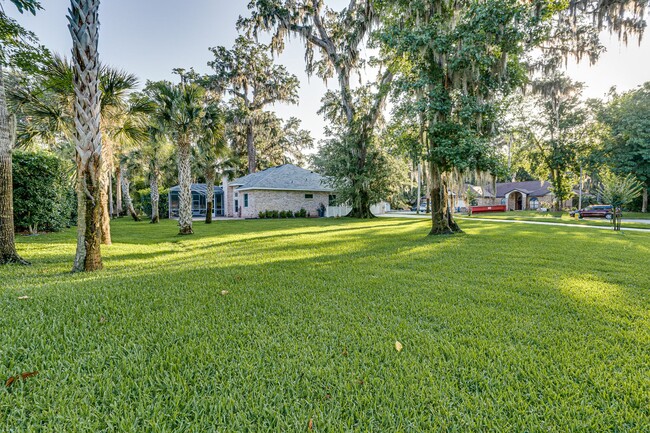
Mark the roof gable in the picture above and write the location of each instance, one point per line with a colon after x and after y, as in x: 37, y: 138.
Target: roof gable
x: 284, y: 177
x: 533, y: 188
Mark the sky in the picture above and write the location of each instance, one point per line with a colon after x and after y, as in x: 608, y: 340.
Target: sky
x: 151, y: 37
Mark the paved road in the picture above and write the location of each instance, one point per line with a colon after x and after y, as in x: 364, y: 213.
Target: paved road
x: 584, y: 226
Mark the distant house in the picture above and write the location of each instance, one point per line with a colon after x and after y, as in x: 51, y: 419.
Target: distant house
x: 283, y: 188
x: 526, y: 195
x: 517, y: 195
x: 199, y: 201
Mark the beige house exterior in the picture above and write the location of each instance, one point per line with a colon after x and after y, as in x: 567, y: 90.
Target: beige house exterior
x: 283, y: 188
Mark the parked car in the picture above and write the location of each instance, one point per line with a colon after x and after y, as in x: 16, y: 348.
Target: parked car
x: 595, y: 211
x: 423, y: 207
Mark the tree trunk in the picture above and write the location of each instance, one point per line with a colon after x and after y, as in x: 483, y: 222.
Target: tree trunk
x: 155, y: 198
x: 644, y: 205
x: 88, y: 144
x: 118, y: 190
x: 209, y: 188
x: 443, y: 222
x: 111, y: 204
x: 185, y: 183
x: 105, y: 197
x: 361, y: 204
x: 8, y: 252
x: 105, y: 179
x: 126, y: 192
x: 84, y: 29
x: 250, y: 145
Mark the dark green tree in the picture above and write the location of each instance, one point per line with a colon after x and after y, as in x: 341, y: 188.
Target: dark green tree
x: 627, y: 141
x: 457, y: 61
x: 333, y: 44
x: 249, y: 74
x: 555, y: 127
x: 18, y: 47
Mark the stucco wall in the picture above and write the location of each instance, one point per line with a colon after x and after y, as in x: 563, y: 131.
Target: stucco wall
x: 263, y: 200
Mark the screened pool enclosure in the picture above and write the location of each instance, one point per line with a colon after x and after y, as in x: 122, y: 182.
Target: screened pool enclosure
x: 199, y: 201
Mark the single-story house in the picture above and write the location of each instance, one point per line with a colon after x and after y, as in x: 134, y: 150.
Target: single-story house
x: 199, y: 201
x: 516, y: 195
x: 283, y: 188
x: 526, y: 195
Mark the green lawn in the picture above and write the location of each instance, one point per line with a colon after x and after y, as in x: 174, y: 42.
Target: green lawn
x: 506, y: 328
x: 564, y: 218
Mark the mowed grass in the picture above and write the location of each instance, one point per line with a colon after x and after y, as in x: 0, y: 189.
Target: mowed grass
x: 506, y: 328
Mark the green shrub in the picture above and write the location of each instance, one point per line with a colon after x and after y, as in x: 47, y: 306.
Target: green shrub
x: 274, y: 214
x: 302, y: 213
x: 144, y: 202
x: 44, y: 195
x: 261, y: 215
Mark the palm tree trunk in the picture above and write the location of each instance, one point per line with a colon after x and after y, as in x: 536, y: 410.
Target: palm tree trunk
x: 185, y: 183
x: 104, y: 198
x: 644, y: 205
x: 209, y: 188
x: 8, y: 252
x: 118, y: 191
x: 105, y: 179
x: 250, y: 145
x: 126, y: 193
x: 84, y: 29
x: 155, y: 197
x: 111, y: 204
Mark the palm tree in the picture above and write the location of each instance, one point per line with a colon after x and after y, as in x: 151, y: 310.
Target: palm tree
x: 152, y: 154
x: 84, y: 28
x: 180, y: 111
x: 211, y: 152
x: 49, y: 106
x: 128, y: 163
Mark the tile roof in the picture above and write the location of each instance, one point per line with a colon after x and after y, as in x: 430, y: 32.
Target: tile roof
x: 284, y: 177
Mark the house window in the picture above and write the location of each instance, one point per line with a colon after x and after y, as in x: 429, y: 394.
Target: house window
x: 534, y: 203
x: 309, y: 196
x: 236, y: 206
x: 332, y: 200
x: 503, y: 201
x: 245, y: 200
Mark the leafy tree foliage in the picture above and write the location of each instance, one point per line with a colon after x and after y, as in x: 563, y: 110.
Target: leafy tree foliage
x: 333, y: 43
x: 250, y: 76
x: 277, y: 141
x: 556, y: 128
x: 457, y: 60
x: 627, y: 144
